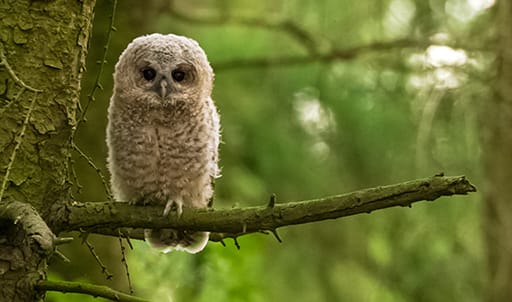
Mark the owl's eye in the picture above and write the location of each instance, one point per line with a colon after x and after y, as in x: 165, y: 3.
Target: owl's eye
x: 178, y: 75
x: 148, y: 73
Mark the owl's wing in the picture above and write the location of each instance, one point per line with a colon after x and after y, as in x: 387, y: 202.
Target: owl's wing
x: 215, y: 124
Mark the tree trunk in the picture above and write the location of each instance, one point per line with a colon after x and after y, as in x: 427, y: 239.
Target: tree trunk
x: 497, y: 141
x: 44, y: 44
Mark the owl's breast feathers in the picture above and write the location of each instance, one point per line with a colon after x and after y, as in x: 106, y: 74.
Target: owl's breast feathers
x: 171, y: 152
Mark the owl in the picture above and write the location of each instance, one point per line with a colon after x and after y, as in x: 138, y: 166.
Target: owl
x: 163, y: 132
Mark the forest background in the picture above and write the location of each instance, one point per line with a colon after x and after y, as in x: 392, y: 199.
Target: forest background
x: 320, y: 98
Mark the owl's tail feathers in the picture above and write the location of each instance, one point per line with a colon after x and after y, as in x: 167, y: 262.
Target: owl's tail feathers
x: 168, y: 240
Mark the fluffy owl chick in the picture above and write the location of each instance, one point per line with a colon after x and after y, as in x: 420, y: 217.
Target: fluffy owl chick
x: 163, y: 132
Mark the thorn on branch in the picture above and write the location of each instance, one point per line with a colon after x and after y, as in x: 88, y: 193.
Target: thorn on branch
x: 274, y: 232
x: 222, y: 242
x: 236, y: 243
x: 272, y: 200
x: 62, y: 240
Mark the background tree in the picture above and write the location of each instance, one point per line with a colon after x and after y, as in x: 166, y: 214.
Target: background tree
x: 497, y: 144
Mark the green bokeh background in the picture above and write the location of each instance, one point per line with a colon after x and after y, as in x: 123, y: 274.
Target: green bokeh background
x: 311, y: 130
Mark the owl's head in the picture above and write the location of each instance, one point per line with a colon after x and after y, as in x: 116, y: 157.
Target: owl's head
x: 163, y: 69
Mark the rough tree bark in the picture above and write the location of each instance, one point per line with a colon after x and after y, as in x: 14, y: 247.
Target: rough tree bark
x: 43, y: 46
x: 497, y: 143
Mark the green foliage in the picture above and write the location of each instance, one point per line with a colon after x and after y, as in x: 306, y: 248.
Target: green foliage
x: 322, y: 128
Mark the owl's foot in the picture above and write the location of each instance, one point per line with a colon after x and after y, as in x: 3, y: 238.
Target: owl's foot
x: 140, y: 201
x: 178, y: 203
x: 168, y: 240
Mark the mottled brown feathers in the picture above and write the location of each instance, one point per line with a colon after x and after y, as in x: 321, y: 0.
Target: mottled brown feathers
x: 163, y: 131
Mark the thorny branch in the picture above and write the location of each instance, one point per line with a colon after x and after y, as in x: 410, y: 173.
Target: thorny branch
x: 231, y: 223
x: 19, y: 137
x: 104, y: 269
x: 90, y: 100
x: 125, y: 262
x: 91, y: 163
x: 18, y: 140
x: 97, y: 84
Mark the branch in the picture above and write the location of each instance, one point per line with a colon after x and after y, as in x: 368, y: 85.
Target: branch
x: 104, y: 217
x: 28, y: 218
x: 286, y: 26
x: 88, y: 289
x: 333, y: 55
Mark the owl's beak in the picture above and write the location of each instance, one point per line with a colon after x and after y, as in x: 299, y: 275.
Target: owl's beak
x: 164, y: 88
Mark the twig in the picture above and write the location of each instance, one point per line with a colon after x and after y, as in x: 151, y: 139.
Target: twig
x: 90, y: 99
x: 19, y: 140
x: 126, y: 236
x: 93, y: 165
x: 227, y: 223
x: 3, y: 62
x: 88, y: 289
x: 235, y: 240
x: 73, y: 175
x: 125, y: 263
x: 60, y: 255
x: 97, y: 84
x: 104, y: 269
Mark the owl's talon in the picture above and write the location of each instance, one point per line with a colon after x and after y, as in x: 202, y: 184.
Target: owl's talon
x: 179, y: 207
x: 137, y: 202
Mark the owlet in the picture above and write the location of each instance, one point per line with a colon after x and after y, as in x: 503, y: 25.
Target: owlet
x: 163, y: 132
